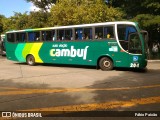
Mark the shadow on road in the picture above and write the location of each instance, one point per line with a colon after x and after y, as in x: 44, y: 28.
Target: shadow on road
x: 127, y: 86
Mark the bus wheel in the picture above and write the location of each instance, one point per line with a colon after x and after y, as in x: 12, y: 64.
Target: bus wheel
x: 30, y: 60
x: 105, y: 64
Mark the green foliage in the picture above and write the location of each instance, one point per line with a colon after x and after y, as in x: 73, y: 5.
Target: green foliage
x: 151, y: 7
x: 151, y: 23
x: 24, y: 21
x: 1, y: 23
x: 69, y: 12
x: 18, y: 21
x: 43, y: 4
x: 37, y: 19
x: 135, y: 7
x: 147, y: 20
x: 145, y: 12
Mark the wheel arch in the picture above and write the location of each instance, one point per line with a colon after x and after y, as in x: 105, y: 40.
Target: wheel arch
x: 31, y: 59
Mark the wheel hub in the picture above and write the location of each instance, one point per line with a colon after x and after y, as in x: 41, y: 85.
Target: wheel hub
x: 106, y: 63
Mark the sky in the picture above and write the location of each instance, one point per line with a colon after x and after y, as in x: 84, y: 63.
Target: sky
x: 8, y: 7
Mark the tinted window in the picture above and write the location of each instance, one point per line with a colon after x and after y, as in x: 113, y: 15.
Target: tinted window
x: 68, y: 34
x: 124, y: 31
x: 33, y: 36
x: 135, y: 43
x: 125, y: 36
x: 79, y: 34
x: 48, y: 35
x: 104, y: 32
x: 98, y: 32
x: 60, y: 34
x: 83, y: 33
x: 87, y: 33
x: 11, y: 37
x: 21, y: 37
x: 108, y: 32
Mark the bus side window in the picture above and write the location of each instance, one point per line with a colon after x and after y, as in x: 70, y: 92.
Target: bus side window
x: 47, y: 35
x: 24, y: 37
x: 60, y: 34
x: 68, y: 34
x: 108, y: 32
x: 99, y: 33
x: 18, y: 37
x: 43, y: 35
x: 53, y: 35
x: 79, y: 34
x: 21, y: 37
x: 37, y: 36
x: 87, y: 33
x: 11, y: 37
x: 33, y: 36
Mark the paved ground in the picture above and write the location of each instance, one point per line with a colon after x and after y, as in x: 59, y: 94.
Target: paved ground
x: 58, y: 88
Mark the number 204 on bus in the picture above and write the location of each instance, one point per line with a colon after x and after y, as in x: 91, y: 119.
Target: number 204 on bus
x: 105, y: 45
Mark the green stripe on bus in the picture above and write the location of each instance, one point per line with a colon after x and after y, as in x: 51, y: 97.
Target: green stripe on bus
x: 18, y: 52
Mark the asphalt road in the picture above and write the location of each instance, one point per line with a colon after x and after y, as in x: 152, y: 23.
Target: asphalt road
x: 78, y: 88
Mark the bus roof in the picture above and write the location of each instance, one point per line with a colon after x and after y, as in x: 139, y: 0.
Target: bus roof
x: 73, y: 26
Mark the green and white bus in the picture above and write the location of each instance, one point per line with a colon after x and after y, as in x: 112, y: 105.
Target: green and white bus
x: 105, y: 45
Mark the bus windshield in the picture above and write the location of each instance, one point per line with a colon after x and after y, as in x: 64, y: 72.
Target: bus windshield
x: 129, y: 39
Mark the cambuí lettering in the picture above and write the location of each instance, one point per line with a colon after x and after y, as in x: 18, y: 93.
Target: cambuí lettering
x: 72, y: 52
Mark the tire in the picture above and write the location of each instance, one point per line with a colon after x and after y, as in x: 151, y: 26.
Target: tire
x: 106, y: 64
x: 30, y: 60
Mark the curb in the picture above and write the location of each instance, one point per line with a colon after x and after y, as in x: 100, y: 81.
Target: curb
x: 153, y: 60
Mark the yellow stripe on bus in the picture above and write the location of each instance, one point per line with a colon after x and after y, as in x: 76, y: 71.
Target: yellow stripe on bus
x: 35, y: 52
x: 27, y: 49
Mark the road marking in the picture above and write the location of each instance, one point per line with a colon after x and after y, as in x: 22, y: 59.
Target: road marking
x: 9, y: 88
x: 22, y: 91
x: 101, y: 106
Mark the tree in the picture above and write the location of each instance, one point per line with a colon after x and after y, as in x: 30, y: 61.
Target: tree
x: 69, y: 12
x: 16, y: 22
x: 145, y: 12
x: 2, y: 17
x: 151, y: 7
x: 37, y: 19
x: 151, y: 23
x: 44, y: 5
x: 25, y: 21
x: 136, y: 7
